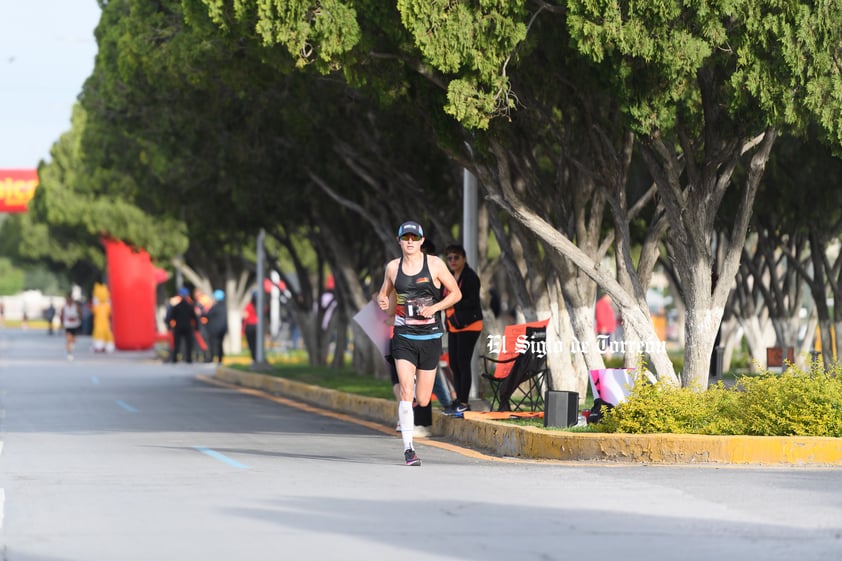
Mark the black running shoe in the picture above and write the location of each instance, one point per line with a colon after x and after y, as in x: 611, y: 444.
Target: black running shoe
x: 411, y: 458
x: 462, y: 407
x: 450, y: 410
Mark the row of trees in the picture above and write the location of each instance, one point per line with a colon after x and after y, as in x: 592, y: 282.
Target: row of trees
x: 640, y: 131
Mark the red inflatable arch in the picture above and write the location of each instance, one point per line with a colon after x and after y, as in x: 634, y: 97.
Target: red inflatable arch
x: 132, y: 280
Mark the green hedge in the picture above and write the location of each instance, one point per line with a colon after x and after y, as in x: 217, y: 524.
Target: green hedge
x: 793, y: 403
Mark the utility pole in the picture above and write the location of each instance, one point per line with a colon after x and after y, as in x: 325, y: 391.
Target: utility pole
x: 469, y: 218
x: 260, y: 357
x: 470, y: 243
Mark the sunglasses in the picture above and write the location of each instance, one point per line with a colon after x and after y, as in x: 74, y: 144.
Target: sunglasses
x: 410, y: 238
x: 454, y: 257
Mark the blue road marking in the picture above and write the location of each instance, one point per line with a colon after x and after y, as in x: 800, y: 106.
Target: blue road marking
x: 221, y: 457
x: 126, y: 406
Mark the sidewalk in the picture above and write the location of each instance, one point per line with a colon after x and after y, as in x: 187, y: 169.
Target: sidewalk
x: 505, y: 439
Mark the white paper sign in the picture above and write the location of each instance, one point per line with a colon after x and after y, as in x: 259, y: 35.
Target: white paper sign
x: 612, y: 385
x: 376, y: 325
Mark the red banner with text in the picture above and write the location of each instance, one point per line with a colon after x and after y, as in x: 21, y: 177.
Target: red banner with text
x: 17, y: 187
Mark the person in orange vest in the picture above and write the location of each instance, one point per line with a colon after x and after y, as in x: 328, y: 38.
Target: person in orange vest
x: 464, y: 324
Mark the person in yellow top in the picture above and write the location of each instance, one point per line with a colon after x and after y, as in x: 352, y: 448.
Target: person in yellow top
x: 464, y: 324
x: 102, y: 335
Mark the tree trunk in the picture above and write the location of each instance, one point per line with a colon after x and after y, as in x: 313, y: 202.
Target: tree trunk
x: 340, y: 342
x: 586, y: 343
x: 802, y: 352
x: 786, y: 332
x: 729, y: 341
x: 692, y: 202
x: 702, y: 327
x: 313, y: 337
x: 636, y: 312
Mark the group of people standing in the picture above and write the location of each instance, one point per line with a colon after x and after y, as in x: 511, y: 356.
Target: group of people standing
x: 205, y: 319
x: 71, y: 319
x: 416, y: 287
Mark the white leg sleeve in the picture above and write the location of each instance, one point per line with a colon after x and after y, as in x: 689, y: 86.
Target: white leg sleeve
x: 407, y: 418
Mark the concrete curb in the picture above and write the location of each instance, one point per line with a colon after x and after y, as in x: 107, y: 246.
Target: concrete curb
x: 369, y: 408
x: 505, y: 439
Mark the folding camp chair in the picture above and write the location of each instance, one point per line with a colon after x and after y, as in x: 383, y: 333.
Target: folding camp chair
x: 520, y: 364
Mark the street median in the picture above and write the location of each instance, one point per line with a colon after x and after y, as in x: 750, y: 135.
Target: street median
x: 506, y: 439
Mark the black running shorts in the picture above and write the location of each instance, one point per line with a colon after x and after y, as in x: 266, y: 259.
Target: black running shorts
x: 423, y: 353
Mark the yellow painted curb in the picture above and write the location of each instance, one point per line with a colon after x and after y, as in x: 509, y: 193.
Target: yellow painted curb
x: 505, y: 439
x: 656, y: 448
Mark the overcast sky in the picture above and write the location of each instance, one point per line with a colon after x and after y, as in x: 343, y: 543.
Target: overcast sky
x: 47, y: 50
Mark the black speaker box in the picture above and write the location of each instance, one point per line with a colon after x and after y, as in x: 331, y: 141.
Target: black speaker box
x: 561, y: 409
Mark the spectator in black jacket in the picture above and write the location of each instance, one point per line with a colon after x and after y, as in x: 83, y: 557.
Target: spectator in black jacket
x: 464, y: 324
x: 182, y: 320
x: 217, y: 325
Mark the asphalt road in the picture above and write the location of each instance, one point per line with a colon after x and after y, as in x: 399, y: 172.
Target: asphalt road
x: 120, y: 457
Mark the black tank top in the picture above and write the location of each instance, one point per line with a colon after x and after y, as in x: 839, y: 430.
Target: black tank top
x: 413, y: 292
